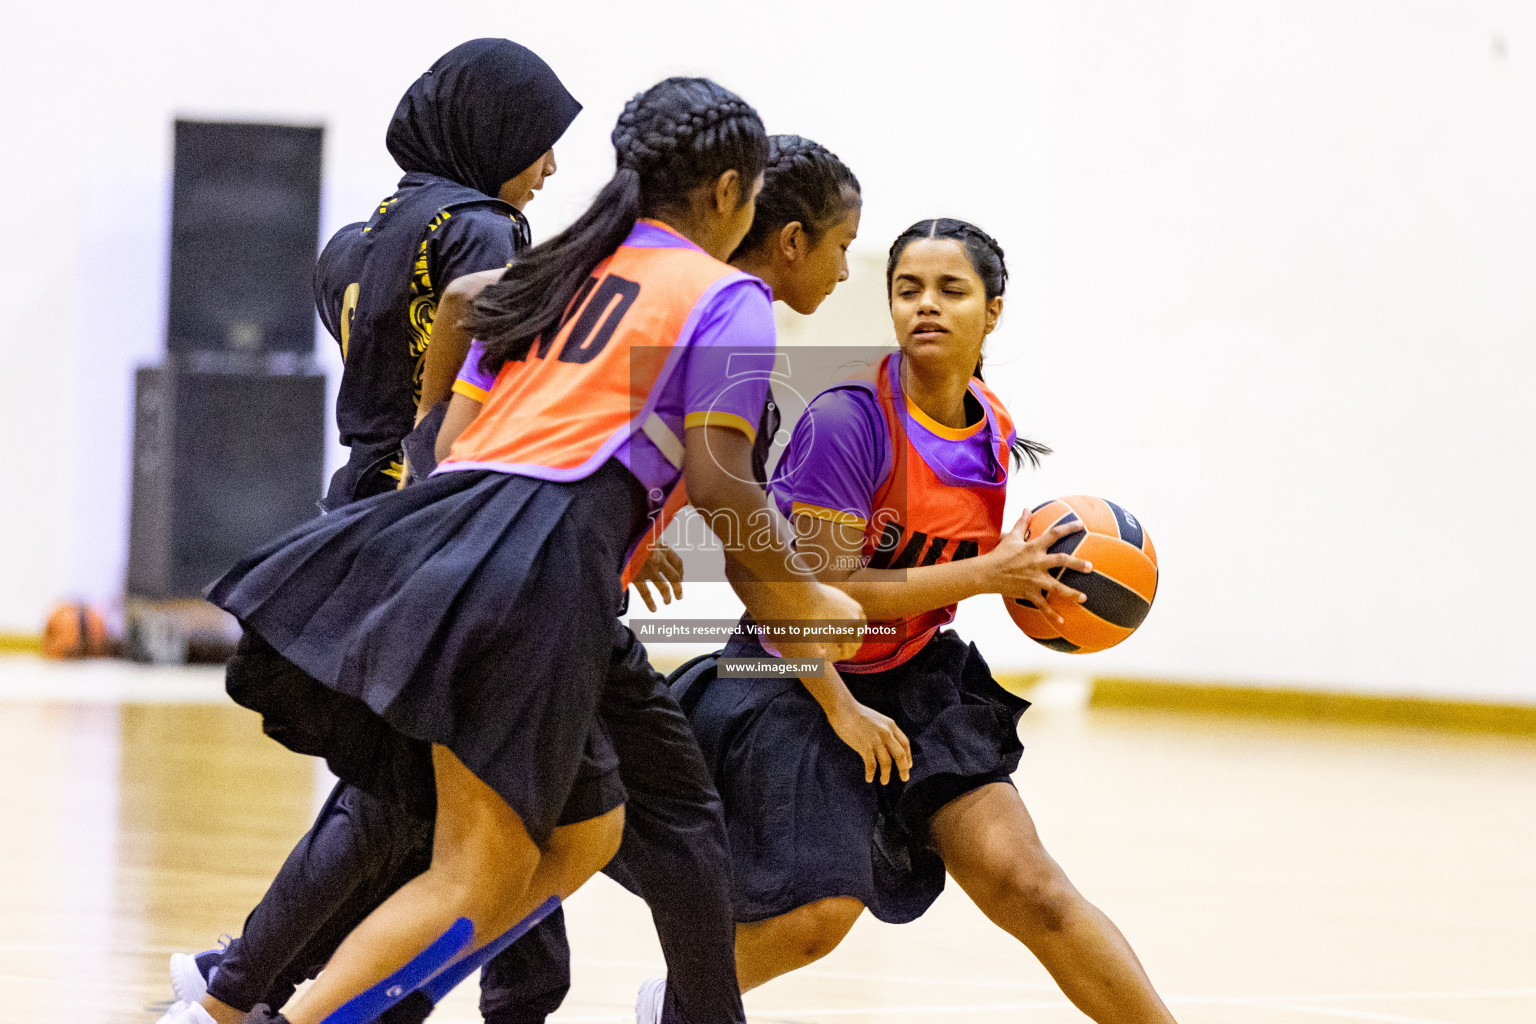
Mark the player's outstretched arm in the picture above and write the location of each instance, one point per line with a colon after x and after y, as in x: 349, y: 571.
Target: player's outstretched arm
x: 876, y: 738
x: 775, y: 586
x: 1020, y: 566
x: 717, y: 466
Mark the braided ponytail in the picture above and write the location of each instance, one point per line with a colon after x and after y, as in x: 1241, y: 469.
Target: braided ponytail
x: 675, y: 136
x: 986, y: 257
x: 806, y: 182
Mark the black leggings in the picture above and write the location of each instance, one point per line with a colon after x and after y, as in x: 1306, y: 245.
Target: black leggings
x: 362, y: 849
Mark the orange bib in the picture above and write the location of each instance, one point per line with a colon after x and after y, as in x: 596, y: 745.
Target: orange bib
x: 919, y: 519
x: 564, y: 410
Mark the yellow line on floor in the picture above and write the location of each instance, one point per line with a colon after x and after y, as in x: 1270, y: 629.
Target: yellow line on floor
x: 1423, y: 712
x: 21, y: 643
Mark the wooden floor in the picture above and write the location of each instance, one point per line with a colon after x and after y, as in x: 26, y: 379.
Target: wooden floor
x: 1265, y: 872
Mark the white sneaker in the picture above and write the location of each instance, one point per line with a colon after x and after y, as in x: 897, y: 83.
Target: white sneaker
x: 170, y: 1014
x: 653, y: 992
x: 190, y: 1013
x: 186, y: 980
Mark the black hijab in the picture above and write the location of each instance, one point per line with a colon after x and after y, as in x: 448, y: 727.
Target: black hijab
x: 481, y: 115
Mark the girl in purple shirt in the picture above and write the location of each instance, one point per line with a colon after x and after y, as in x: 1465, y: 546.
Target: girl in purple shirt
x: 807, y: 217
x: 895, y: 483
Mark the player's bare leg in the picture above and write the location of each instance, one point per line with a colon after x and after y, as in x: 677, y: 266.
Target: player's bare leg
x: 990, y: 847
x: 766, y: 949
x: 484, y: 867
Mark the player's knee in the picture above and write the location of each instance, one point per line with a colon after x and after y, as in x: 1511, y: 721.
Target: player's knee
x: 820, y: 926
x: 1042, y: 897
x: 486, y: 895
x: 482, y: 873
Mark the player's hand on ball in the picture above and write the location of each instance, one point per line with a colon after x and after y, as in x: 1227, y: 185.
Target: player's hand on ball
x: 1020, y: 566
x: 874, y: 737
x: 663, y: 569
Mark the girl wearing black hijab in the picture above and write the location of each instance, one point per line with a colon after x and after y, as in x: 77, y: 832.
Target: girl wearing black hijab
x: 474, y: 136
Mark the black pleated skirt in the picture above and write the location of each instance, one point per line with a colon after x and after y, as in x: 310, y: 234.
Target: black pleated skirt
x: 802, y: 822
x: 474, y: 610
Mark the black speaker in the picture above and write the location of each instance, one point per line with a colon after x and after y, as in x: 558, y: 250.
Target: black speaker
x: 245, y: 229
x: 222, y: 463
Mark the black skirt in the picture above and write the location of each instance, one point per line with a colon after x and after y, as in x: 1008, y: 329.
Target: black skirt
x: 474, y: 610
x: 802, y: 822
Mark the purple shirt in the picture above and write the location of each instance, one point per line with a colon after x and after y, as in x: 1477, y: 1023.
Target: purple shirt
x: 722, y: 379
x: 840, y: 454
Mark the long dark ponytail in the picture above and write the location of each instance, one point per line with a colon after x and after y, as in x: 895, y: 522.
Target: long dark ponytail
x: 803, y: 181
x: 986, y: 258
x: 675, y: 136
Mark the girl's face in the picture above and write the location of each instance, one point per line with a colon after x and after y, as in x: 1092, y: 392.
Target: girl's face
x: 939, y: 306
x: 815, y: 271
x: 519, y: 191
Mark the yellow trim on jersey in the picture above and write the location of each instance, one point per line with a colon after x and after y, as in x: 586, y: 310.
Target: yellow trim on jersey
x: 468, y: 390
x: 720, y: 418
x: 348, y: 311
x: 934, y: 426
x: 822, y: 512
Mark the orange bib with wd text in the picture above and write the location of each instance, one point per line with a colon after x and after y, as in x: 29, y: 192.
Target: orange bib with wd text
x: 562, y: 411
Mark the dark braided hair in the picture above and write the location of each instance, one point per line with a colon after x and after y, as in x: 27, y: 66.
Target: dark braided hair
x: 986, y: 258
x: 806, y: 182
x: 678, y: 134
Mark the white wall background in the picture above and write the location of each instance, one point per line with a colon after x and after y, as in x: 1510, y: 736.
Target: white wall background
x: 1272, y: 271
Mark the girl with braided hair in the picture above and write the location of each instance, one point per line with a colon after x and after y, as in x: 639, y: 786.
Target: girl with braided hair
x: 473, y: 614
x: 807, y: 216
x: 896, y: 481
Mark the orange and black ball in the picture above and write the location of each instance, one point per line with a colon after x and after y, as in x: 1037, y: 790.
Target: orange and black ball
x: 1120, y: 588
